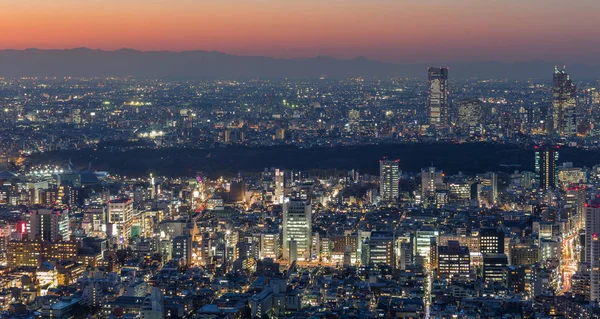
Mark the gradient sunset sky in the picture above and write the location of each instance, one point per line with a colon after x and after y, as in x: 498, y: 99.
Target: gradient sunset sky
x: 404, y: 31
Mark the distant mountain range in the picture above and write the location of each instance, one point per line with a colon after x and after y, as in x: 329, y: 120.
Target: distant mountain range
x: 84, y: 62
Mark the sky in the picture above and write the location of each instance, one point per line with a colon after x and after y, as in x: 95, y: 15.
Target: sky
x: 402, y: 31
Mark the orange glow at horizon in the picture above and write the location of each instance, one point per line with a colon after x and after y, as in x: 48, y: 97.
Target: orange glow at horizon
x: 399, y: 30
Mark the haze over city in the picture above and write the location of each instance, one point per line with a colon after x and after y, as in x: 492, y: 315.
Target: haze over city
x: 434, y: 31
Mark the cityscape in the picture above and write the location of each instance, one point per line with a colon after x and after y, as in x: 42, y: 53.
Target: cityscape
x: 435, y: 196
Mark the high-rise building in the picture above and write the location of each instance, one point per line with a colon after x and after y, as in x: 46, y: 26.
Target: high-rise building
x: 182, y: 248
x: 423, y: 242
x: 575, y: 198
x: 524, y: 254
x: 120, y: 213
x: 431, y: 181
x: 546, y: 170
x: 488, y: 187
x: 274, y: 182
x: 592, y: 247
x: 469, y: 119
x: 26, y: 253
x: 389, y: 175
x: 563, y: 117
x: 438, y: 97
x: 491, y: 241
x: 346, y: 245
x: 49, y: 224
x: 454, y: 260
x: 269, y: 245
x: 297, y: 229
x: 495, y: 267
x: 381, y: 249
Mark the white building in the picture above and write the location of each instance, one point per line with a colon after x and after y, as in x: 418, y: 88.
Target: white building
x: 120, y: 213
x: 154, y: 305
x: 297, y: 229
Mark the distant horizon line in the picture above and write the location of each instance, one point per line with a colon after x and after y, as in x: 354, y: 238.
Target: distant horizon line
x: 359, y: 57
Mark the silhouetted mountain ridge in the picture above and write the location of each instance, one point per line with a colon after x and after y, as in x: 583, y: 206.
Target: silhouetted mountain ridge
x: 84, y: 62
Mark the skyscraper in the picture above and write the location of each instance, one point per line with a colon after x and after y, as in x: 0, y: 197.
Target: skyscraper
x: 381, y: 249
x: 182, y: 248
x: 592, y: 247
x: 49, y: 224
x: 546, y: 171
x: 563, y: 119
x: 491, y: 241
x: 431, y: 181
x: 470, y: 117
x: 269, y: 245
x: 297, y: 229
x: 454, y: 259
x: 120, y: 212
x: 488, y: 187
x: 438, y: 97
x: 389, y: 175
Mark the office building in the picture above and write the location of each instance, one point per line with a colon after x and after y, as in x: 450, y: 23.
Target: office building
x: 269, y: 245
x: 49, y: 224
x: 346, y: 246
x: 432, y: 180
x: 28, y: 253
x: 569, y: 175
x: 453, y: 260
x: 31, y: 253
x: 279, y: 185
x: 297, y: 229
x: 546, y: 170
x: 495, y: 267
x: 459, y: 191
x: 120, y: 213
x: 487, y: 190
x: 182, y: 249
x: 381, y: 250
x: 592, y: 247
x: 389, y: 175
x: 469, y: 119
x: 274, y: 183
x: 423, y: 244
x: 523, y: 255
x: 491, y: 241
x: 438, y: 97
x: 563, y: 117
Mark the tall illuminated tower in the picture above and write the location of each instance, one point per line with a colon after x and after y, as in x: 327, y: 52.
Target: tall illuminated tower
x: 152, y: 187
x: 297, y: 230
x: 438, y: 97
x: 389, y: 175
x: 546, y: 170
x: 563, y: 117
x: 470, y: 118
x: 120, y: 212
x: 592, y: 247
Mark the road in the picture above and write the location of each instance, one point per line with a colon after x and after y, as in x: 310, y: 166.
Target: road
x: 427, y: 297
x: 569, y: 260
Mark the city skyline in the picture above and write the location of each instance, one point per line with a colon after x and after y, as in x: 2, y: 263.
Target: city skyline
x: 383, y: 30
x: 299, y: 159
